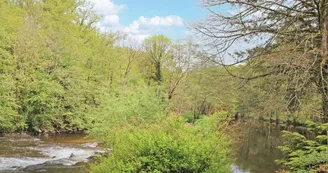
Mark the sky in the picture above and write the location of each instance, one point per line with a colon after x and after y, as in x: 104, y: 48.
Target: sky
x: 143, y: 18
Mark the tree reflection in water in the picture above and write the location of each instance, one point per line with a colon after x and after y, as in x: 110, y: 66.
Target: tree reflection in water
x: 255, y: 146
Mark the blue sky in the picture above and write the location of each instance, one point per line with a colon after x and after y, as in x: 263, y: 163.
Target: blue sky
x: 142, y: 18
x: 187, y: 9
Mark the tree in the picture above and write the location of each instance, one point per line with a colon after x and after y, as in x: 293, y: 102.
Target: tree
x: 52, y: 65
x: 11, y: 19
x: 157, y: 48
x: 130, y: 52
x: 295, y: 31
x: 179, y: 64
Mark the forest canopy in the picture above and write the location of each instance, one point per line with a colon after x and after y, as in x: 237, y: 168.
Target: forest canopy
x: 59, y: 72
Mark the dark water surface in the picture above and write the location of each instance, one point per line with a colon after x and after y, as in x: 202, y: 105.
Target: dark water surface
x: 256, y: 150
x: 68, y: 153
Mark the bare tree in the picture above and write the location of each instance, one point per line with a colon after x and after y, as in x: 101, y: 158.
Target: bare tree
x: 294, y: 30
x: 183, y: 53
x: 133, y: 49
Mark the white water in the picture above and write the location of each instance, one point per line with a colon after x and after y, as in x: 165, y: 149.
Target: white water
x: 31, y: 151
x: 10, y: 163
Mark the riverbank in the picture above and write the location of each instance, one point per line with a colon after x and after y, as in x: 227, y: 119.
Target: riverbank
x: 254, y: 147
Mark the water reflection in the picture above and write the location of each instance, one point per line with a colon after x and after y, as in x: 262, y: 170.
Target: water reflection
x: 255, y: 147
x: 236, y: 169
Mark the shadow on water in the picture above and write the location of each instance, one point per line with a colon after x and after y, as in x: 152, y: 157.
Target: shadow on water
x: 255, y: 146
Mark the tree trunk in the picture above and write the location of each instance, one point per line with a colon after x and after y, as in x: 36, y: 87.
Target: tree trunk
x: 324, y: 64
x: 277, y: 118
x: 158, y: 77
x: 158, y: 72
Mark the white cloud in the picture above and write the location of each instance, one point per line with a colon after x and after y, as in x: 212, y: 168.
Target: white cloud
x: 144, y: 26
x: 133, y: 28
x: 140, y: 37
x: 106, y: 7
x: 111, y: 20
x: 108, y: 12
x: 166, y: 21
x: 140, y: 28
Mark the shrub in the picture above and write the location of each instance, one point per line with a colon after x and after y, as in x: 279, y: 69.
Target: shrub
x: 127, y: 105
x: 167, y: 146
x: 306, y: 153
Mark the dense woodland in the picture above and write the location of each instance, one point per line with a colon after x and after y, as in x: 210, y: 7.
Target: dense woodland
x: 172, y: 98
x: 59, y: 73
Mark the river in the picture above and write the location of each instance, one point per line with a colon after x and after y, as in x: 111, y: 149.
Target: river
x: 68, y: 153
x: 254, y: 148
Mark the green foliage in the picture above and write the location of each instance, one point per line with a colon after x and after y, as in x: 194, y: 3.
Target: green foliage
x: 305, y: 153
x: 129, y: 105
x: 10, y: 120
x: 206, y: 90
x: 167, y: 146
x: 48, y: 63
x: 10, y: 19
x: 42, y: 102
x: 58, y: 73
x: 157, y: 48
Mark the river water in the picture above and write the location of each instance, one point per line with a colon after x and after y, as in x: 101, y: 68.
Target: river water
x: 254, y: 147
x: 62, y: 153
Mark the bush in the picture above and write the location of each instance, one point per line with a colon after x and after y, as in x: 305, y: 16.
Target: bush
x: 128, y: 105
x: 306, y: 153
x: 169, y: 146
